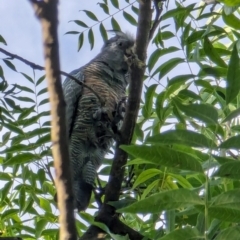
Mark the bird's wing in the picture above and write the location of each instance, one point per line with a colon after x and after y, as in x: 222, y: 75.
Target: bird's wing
x: 72, y: 91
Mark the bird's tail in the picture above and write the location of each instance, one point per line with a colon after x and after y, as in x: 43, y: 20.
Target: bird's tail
x: 83, y: 192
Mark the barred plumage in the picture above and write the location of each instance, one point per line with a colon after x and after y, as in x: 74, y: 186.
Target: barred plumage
x: 90, y: 137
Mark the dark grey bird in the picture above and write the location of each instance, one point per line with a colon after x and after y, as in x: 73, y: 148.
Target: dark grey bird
x: 92, y: 116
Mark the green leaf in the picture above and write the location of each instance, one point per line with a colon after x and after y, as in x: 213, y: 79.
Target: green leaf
x: 50, y: 232
x: 45, y: 139
x: 172, y: 199
x: 153, y: 59
x: 37, y: 132
x: 187, y: 233
x: 21, y: 199
x: 10, y: 65
x: 45, y: 205
x: 2, y: 40
x: 41, y: 175
x: 80, y: 23
x: 167, y: 67
x: 26, y: 89
x: 147, y: 108
x: 231, y: 143
x: 212, y: 53
x: 181, y: 79
x: 72, y: 32
x: 115, y: 3
x: 229, y: 170
x: 195, y: 36
x: 167, y: 35
x: 229, y: 233
x: 21, y: 159
x: 91, y: 38
x: 103, y: 32
x: 29, y: 121
x: 231, y: 20
x: 115, y: 24
x: 185, y: 33
x: 91, y: 15
x: 181, y: 180
x: 225, y: 206
x: 232, y: 115
x: 173, y: 13
x: 185, y: 93
x: 28, y: 205
x: 104, y: 7
x: 182, y: 137
x: 6, y: 190
x: 5, y: 176
x: 47, y: 123
x: 13, y: 128
x: 17, y: 148
x: 145, y: 175
x: 233, y: 76
x: 40, y: 80
x: 216, y: 72
x: 80, y: 41
x: 2, y: 76
x: 40, y: 226
x: 9, y: 213
x: 159, y: 105
x: 27, y: 77
x: 44, y: 101
x: 25, y: 99
x: 164, y: 156
x: 222, y: 160
x: 5, y: 138
x: 44, y: 90
x: 12, y: 104
x: 203, y: 112
x: 135, y: 10
x: 157, y: 54
x: 26, y: 112
x: 130, y: 18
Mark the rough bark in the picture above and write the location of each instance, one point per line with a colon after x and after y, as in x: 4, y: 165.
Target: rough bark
x: 47, y: 13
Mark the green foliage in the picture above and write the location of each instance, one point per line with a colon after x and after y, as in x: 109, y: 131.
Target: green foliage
x: 182, y: 177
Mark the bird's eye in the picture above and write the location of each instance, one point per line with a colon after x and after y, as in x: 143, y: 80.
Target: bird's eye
x: 120, y: 44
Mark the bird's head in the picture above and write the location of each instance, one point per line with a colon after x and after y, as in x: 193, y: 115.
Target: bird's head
x: 123, y: 42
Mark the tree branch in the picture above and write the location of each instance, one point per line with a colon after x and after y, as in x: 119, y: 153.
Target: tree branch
x: 113, y: 187
x: 38, y: 67
x: 158, y: 10
x: 107, y: 214
x: 47, y: 13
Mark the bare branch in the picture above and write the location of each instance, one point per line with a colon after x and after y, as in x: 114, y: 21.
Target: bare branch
x: 38, y: 67
x: 158, y: 10
x: 47, y: 13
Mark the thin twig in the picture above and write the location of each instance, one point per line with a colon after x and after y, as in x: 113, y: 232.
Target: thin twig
x: 41, y: 68
x: 157, y: 20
